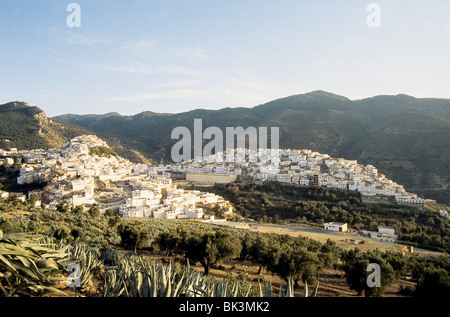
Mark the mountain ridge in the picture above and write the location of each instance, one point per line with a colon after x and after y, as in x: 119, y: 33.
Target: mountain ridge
x: 407, y: 138
x: 404, y: 136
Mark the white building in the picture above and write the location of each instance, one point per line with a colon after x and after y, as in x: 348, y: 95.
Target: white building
x: 386, y: 230
x: 336, y: 226
x: 383, y: 234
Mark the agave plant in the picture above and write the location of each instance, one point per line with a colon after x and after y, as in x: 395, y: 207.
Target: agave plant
x: 29, y: 264
x: 88, y: 259
x: 265, y: 289
x: 133, y: 276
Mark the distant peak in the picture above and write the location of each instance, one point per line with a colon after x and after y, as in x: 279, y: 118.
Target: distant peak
x: 405, y: 96
x: 20, y: 106
x: 319, y: 92
x: 112, y: 114
x: 17, y: 103
x: 322, y: 93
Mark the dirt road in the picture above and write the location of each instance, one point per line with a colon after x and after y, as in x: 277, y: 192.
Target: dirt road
x: 342, y: 239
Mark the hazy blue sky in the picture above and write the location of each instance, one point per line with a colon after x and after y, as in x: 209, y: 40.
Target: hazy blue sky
x: 173, y: 56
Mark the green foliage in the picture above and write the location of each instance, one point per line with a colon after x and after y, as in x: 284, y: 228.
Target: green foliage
x: 94, y: 211
x: 63, y: 207
x: 28, y: 264
x: 133, y: 276
x: 76, y: 210
x: 28, y: 128
x: 356, y: 272
x: 133, y: 236
x: 102, y: 151
x: 329, y: 254
x: 61, y: 233
x: 435, y: 283
x: 205, y: 247
x: 90, y: 263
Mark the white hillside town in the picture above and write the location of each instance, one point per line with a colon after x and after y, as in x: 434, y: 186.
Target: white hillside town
x: 78, y: 177
x: 302, y: 167
x: 75, y: 177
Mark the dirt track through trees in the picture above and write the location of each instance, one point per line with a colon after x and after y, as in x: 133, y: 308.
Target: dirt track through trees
x: 343, y: 240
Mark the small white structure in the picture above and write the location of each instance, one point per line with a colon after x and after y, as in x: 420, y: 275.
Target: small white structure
x: 4, y: 194
x: 383, y: 234
x: 336, y: 226
x: 443, y: 213
x: 386, y: 230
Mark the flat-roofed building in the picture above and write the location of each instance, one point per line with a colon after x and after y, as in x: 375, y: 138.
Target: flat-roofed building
x: 336, y: 226
x: 211, y: 178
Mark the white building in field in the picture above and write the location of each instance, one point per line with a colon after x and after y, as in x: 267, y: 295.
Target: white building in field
x: 336, y: 226
x: 386, y: 230
x: 383, y: 234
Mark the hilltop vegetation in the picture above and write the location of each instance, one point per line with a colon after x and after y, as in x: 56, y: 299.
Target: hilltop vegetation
x: 102, y: 151
x: 27, y: 127
x: 406, y: 138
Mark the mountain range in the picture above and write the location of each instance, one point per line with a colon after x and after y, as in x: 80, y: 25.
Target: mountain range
x: 406, y: 138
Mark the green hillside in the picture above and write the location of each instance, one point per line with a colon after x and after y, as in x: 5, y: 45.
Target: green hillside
x: 27, y: 127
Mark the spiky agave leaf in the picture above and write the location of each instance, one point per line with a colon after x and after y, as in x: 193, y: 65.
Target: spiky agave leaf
x: 282, y: 294
x: 305, y: 290
x: 290, y: 287
x: 28, y: 260
x: 316, y: 288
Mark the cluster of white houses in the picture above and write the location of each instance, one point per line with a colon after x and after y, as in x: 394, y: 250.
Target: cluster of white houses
x: 75, y: 177
x: 303, y: 167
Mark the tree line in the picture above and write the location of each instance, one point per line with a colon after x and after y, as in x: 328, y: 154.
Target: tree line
x: 277, y: 203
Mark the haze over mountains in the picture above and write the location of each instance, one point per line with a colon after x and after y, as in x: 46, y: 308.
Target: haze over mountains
x: 406, y: 138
